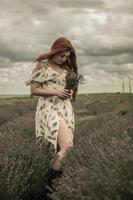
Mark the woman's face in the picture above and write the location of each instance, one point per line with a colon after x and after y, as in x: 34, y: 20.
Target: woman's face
x: 61, y: 58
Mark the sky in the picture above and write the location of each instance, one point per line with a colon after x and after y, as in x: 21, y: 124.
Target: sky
x: 101, y: 32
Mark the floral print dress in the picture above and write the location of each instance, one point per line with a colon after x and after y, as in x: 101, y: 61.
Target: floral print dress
x: 50, y: 108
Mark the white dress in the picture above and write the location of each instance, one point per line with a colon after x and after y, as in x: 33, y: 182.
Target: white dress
x: 50, y: 108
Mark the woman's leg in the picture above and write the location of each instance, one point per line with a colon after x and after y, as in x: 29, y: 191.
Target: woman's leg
x: 65, y: 142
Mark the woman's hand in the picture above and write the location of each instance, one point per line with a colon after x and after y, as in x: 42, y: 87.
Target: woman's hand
x: 64, y: 93
x: 71, y: 92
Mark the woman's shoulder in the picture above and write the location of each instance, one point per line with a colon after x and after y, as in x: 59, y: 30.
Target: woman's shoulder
x: 40, y: 66
x: 39, y: 74
x: 43, y: 61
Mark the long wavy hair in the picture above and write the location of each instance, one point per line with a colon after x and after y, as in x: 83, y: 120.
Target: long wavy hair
x: 60, y: 45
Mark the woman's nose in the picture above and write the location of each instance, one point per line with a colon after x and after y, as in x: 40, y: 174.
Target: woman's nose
x: 64, y: 59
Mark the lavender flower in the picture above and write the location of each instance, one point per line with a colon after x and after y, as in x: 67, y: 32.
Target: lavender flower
x: 73, y: 79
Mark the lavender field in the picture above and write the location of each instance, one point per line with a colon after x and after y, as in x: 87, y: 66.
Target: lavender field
x: 99, y: 167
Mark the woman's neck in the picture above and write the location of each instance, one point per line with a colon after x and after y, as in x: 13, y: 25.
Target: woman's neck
x: 55, y: 65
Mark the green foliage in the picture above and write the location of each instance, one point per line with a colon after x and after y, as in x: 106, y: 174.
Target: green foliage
x: 10, y: 111
x: 123, y: 111
x: 100, y: 107
x: 23, y: 166
x: 6, y: 114
x: 102, y: 157
x: 24, y: 126
x: 99, y: 167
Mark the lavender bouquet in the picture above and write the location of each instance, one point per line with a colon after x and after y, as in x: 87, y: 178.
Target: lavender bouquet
x: 73, y: 79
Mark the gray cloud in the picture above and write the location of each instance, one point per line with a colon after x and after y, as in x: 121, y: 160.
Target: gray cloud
x: 101, y: 32
x: 82, y: 4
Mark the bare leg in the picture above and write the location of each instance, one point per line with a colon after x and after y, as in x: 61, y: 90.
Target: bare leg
x: 65, y: 142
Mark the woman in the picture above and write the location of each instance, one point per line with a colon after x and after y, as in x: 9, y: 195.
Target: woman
x: 54, y: 117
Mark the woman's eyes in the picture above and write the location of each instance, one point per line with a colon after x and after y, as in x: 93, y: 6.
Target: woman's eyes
x: 64, y: 56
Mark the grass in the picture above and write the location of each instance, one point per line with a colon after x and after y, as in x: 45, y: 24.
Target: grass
x: 84, y: 118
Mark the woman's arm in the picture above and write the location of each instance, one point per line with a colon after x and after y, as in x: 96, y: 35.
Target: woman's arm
x: 71, y: 98
x: 37, y: 90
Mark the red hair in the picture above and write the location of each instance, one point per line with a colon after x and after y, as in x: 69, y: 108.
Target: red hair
x: 60, y: 45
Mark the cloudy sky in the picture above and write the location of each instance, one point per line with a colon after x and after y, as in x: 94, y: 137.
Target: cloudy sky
x: 100, y: 30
